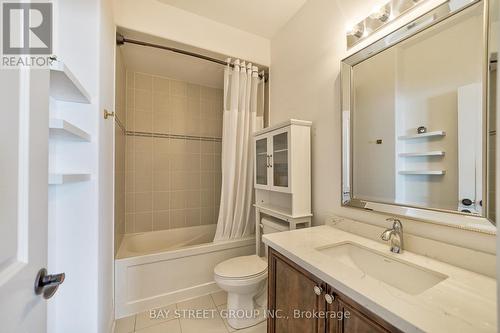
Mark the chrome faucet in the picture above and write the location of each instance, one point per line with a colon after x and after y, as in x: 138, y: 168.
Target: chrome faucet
x: 394, y: 235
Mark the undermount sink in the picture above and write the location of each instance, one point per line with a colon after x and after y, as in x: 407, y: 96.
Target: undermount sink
x: 405, y: 276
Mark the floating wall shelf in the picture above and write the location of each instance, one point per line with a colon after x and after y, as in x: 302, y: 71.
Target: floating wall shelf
x: 424, y: 172
x: 423, y: 135
x: 61, y: 129
x: 64, y: 85
x: 59, y: 179
x: 423, y: 154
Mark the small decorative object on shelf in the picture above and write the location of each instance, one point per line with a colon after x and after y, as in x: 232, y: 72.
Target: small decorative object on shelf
x: 421, y: 130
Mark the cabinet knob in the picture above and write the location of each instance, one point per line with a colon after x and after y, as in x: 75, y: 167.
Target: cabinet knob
x: 318, y: 290
x: 329, y: 298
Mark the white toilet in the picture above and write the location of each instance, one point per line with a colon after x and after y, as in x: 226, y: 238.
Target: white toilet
x: 245, y: 281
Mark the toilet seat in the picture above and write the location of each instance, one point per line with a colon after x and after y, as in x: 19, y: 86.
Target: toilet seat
x: 245, y: 267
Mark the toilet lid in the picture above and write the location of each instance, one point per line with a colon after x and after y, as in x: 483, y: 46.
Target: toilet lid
x: 241, y: 267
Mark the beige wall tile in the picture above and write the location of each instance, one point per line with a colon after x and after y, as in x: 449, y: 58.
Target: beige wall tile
x: 129, y: 181
x: 177, y: 146
x: 143, y: 144
x: 143, y: 222
x: 193, y: 199
x: 161, y: 145
x: 143, y: 182
x: 143, y: 162
x: 170, y: 183
x: 130, y: 202
x: 178, y: 200
x: 193, y: 91
x: 161, y: 180
x: 161, y: 162
x: 161, y: 220
x: 207, y: 181
x: 143, y: 100
x: 206, y: 216
x: 161, y: 123
x: 192, y: 125
x: 161, y: 201
x: 205, y: 198
x: 129, y: 223
x: 193, y: 107
x: 161, y: 102
x: 193, y: 147
x: 177, y: 218
x: 178, y: 88
x: 130, y: 79
x: 143, y: 202
x: 143, y: 121
x: 161, y: 84
x: 207, y: 93
x: 143, y: 81
x: 193, y: 217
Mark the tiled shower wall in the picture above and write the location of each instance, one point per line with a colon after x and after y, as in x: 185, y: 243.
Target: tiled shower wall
x: 173, y: 153
x: 120, y: 116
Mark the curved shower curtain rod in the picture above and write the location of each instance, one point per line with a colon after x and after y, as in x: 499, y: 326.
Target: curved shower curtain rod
x: 121, y: 40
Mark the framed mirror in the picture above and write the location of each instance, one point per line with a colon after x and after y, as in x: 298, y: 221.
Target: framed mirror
x: 418, y: 118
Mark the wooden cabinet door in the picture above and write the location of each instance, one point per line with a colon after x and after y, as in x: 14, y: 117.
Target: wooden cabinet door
x: 334, y: 314
x: 356, y: 322
x: 292, y: 299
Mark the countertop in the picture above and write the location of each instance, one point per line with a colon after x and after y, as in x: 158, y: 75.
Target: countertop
x: 464, y: 302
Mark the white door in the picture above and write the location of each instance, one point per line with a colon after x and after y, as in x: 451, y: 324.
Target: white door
x: 23, y: 197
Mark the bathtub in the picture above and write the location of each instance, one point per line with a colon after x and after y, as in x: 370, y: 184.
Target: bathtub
x: 158, y: 268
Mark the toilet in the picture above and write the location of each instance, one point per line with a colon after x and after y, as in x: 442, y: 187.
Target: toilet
x: 245, y: 280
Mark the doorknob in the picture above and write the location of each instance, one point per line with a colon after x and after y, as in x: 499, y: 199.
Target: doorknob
x: 47, y: 284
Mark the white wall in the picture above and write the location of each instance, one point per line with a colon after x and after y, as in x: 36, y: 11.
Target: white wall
x: 158, y: 19
x: 80, y: 228
x: 305, y: 84
x: 107, y: 46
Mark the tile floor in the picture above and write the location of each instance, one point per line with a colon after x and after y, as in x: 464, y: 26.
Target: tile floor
x: 168, y: 323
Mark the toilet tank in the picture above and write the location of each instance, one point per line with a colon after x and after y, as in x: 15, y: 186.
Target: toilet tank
x: 271, y: 225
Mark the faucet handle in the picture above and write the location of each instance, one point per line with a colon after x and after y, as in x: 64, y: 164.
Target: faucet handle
x: 396, y: 223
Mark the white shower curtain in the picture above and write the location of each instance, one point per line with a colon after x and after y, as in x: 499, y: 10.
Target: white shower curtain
x: 240, y: 121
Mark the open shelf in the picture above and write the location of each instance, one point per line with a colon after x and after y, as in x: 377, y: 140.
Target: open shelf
x: 61, y: 129
x: 423, y: 172
x: 59, y: 179
x: 428, y: 153
x: 64, y: 85
x: 423, y: 135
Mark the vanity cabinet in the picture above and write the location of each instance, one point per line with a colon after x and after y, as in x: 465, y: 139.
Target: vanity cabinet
x: 300, y: 302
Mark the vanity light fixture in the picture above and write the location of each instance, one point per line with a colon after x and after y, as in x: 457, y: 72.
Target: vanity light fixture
x: 381, y: 13
x: 357, y: 31
x: 380, y: 16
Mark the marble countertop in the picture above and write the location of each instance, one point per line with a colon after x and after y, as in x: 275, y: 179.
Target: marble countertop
x: 464, y: 302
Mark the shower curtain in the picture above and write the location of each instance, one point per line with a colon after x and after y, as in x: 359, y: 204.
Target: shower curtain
x: 240, y: 121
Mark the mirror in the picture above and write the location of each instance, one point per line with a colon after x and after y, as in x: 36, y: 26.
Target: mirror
x: 418, y: 117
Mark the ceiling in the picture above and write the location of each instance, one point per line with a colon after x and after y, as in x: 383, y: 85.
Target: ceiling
x: 169, y: 64
x: 260, y: 17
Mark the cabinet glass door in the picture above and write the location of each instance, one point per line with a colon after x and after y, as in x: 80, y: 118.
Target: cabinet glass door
x: 280, y: 160
x: 262, y: 160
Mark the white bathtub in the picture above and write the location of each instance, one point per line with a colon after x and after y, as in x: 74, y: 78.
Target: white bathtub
x: 158, y: 268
